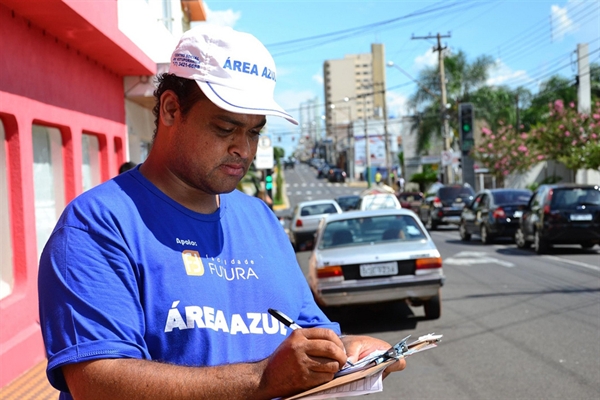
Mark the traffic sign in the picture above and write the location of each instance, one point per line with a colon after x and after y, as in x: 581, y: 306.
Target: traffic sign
x: 264, y: 153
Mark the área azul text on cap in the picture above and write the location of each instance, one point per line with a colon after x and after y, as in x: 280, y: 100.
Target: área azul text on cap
x: 248, y: 68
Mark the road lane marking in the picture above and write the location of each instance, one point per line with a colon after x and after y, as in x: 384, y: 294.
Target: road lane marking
x: 475, y: 257
x: 578, y: 263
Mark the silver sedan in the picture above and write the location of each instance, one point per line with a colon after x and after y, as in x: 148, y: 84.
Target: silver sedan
x: 376, y: 256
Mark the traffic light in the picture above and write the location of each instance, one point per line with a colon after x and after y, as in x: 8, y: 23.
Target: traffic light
x: 268, y: 180
x: 466, y: 120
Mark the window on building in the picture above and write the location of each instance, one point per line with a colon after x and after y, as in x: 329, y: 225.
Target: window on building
x: 7, y: 277
x: 90, y: 156
x: 48, y: 177
x: 167, y: 15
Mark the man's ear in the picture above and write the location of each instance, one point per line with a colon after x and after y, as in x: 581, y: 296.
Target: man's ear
x: 169, y: 106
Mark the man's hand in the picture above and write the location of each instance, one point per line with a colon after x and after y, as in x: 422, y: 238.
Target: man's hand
x: 307, y: 358
x: 358, y: 347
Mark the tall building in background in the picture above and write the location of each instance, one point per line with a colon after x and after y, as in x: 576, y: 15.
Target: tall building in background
x: 354, y: 95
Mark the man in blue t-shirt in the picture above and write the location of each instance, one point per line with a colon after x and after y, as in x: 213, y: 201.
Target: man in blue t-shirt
x: 156, y: 284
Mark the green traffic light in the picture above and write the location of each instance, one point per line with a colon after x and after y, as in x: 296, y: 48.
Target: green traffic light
x: 268, y: 182
x: 466, y: 127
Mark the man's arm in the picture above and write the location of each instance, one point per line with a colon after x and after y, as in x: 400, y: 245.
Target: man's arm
x: 307, y: 358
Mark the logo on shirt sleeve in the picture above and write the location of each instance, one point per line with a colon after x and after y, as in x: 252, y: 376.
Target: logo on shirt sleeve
x: 193, y: 262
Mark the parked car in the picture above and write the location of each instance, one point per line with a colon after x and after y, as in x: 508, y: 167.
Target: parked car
x: 323, y: 170
x: 305, y: 218
x: 348, y: 202
x: 560, y: 214
x: 493, y: 213
x: 444, y: 204
x: 376, y: 256
x: 336, y: 175
x: 410, y: 200
x: 289, y: 163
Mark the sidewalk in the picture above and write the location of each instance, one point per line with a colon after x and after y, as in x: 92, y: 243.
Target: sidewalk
x: 32, y: 385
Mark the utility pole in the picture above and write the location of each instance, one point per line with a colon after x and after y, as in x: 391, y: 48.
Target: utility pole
x: 367, y: 150
x: 584, y: 96
x: 448, y: 175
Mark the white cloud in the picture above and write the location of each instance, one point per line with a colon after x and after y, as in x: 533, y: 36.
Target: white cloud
x: 222, y: 18
x: 561, y: 23
x: 428, y: 59
x: 502, y: 74
x: 318, y: 77
x: 397, y: 104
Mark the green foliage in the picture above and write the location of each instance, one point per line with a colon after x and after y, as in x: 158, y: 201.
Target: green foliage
x: 278, y: 198
x: 425, y: 178
x: 569, y: 137
x: 278, y: 153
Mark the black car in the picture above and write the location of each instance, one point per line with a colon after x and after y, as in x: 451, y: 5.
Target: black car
x: 444, y: 204
x: 289, y: 163
x: 493, y: 213
x: 323, y: 170
x: 336, y: 175
x: 561, y: 214
x: 348, y: 202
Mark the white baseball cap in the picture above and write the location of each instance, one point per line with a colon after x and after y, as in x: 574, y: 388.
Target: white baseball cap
x: 233, y: 69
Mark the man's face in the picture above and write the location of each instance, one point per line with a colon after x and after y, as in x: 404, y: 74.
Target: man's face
x: 211, y: 149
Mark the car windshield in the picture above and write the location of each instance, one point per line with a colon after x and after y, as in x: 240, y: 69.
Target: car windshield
x: 565, y: 198
x: 453, y: 192
x: 345, y: 202
x: 370, y: 230
x: 318, y: 209
x: 409, y: 197
x: 512, y: 197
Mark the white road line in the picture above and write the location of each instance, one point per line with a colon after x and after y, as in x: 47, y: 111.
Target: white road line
x: 578, y: 263
x: 475, y: 257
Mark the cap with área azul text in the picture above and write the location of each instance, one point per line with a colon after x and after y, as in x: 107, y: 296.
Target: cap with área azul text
x: 233, y: 69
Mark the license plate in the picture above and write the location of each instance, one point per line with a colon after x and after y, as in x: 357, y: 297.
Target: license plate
x: 457, y: 205
x: 581, y: 217
x: 390, y: 268
x: 518, y: 214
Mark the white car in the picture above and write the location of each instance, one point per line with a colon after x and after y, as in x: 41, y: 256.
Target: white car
x: 379, y: 201
x: 376, y: 256
x: 305, y: 219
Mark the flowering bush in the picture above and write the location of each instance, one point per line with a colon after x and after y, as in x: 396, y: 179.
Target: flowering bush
x: 570, y: 137
x: 566, y: 136
x: 506, y: 151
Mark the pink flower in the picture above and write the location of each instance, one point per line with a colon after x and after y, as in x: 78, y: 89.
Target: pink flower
x: 559, y: 106
x: 594, y: 136
x: 540, y: 157
x: 505, y: 172
x: 490, y: 146
x: 596, y: 116
x: 522, y: 148
x: 485, y: 131
x: 493, y: 137
x: 572, y: 105
x: 567, y: 133
x: 523, y: 136
x: 574, y: 143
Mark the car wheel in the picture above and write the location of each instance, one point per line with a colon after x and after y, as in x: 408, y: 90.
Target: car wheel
x: 540, y: 245
x: 520, y: 240
x: 587, y: 245
x: 430, y: 225
x: 464, y: 235
x: 433, y: 307
x: 486, y: 238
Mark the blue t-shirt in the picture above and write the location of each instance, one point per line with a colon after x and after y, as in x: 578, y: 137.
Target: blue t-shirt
x: 130, y: 273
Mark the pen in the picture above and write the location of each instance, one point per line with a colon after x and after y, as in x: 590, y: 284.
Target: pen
x: 287, y: 321
x: 284, y: 319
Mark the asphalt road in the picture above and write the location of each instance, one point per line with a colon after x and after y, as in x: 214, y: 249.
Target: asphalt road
x: 516, y: 325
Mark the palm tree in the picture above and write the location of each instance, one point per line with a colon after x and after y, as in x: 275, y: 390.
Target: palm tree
x: 462, y: 79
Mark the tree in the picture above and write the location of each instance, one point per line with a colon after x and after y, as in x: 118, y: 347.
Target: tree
x: 462, y: 80
x: 506, y: 150
x: 570, y: 137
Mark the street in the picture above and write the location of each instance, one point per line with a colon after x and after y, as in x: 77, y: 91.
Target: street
x: 515, y: 324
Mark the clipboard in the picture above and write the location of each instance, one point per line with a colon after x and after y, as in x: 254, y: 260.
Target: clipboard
x: 342, y: 380
x: 373, y: 365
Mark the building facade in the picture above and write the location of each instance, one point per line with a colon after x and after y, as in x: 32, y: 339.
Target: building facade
x: 65, y: 115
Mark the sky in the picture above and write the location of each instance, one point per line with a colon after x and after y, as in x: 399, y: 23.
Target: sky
x: 530, y: 41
